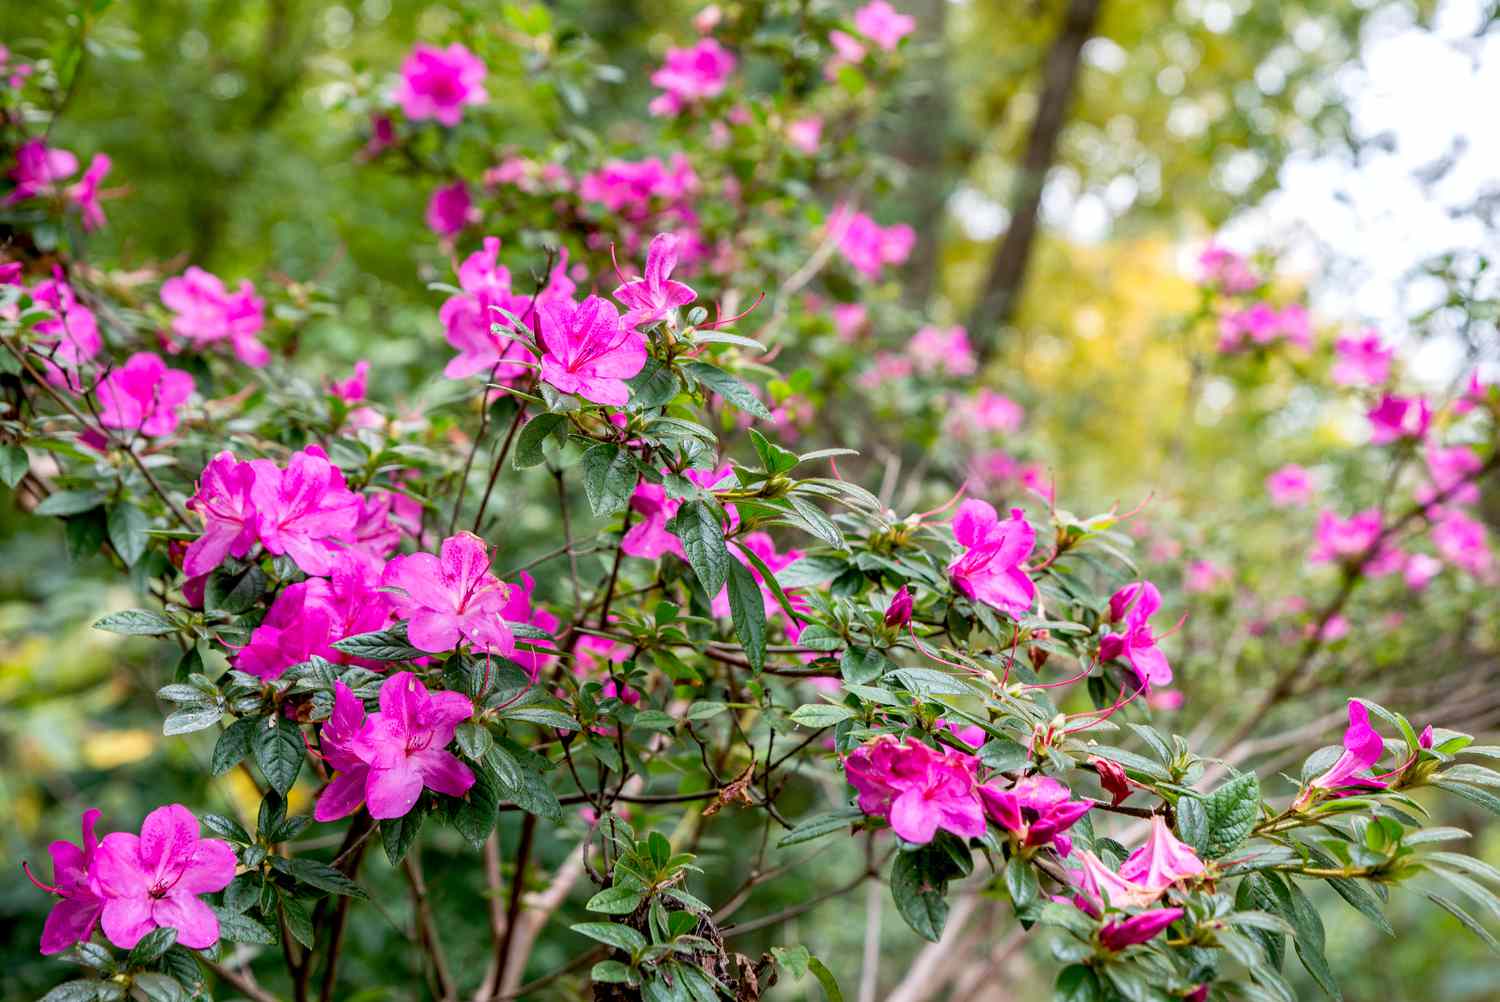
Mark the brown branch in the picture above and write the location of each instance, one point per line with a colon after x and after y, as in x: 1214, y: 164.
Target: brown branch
x: 426, y: 928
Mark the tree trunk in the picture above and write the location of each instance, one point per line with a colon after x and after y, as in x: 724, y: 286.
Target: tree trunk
x: 923, y: 146
x: 1001, y: 292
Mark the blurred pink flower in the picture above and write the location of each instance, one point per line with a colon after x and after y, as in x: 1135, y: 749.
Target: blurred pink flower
x: 882, y: 24
x: 1290, y: 486
x: 1361, y: 360
x: 865, y: 244
x: 1395, y: 418
x: 205, y: 313
x: 1226, y: 269
x: 440, y: 83
x: 691, y: 75
x: 143, y: 395
x: 805, y: 134
x: 450, y: 209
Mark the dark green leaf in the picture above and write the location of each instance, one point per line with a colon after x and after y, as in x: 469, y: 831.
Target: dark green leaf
x: 397, y: 834
x: 278, y: 750
x: 749, y: 612
x: 136, y: 623
x: 528, y: 451
x: 608, y: 478
x: 616, y: 900
x: 654, y: 386
x: 613, y: 933
x: 728, y: 387
x: 697, y: 526
x: 69, y: 503
x: 381, y: 646
x: 155, y: 943
x: 237, y: 928
x: 1077, y: 983
x: 920, y: 899
x: 127, y: 526
x: 195, y: 717
x: 232, y: 747
x: 13, y: 464
x: 322, y: 876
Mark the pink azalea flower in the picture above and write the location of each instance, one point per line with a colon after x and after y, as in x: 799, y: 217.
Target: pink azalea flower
x: 986, y: 411
x: 898, y: 612
x: 1420, y: 569
x: 70, y: 336
x: 1204, y: 576
x: 1462, y: 541
x: 385, y: 760
x: 1140, y: 928
x: 805, y: 135
x: 452, y: 598
x: 847, y: 51
x: 1135, y: 604
x: 519, y: 609
x: 970, y: 734
x: 850, y: 320
x: 10, y: 272
x: 377, y: 528
x: 1362, y: 360
x: 944, y: 350
x: 353, y: 389
x: 301, y: 510
x: 309, y: 617
x: 629, y: 188
x: 764, y: 547
x: 85, y: 192
x: 867, y: 245
x: 1395, y: 418
x: 450, y: 209
x: 440, y: 83
x: 882, y: 24
x: 153, y: 880
x: 651, y: 298
x: 648, y: 538
x: 917, y: 788
x: 1162, y: 861
x: 1262, y: 324
x: 223, y: 502
x: 1452, y: 470
x: 1226, y: 269
x: 73, y: 918
x: 1102, y: 886
x: 1363, y: 747
x: 468, y: 319
x: 1290, y: 486
x: 1037, y: 810
x: 588, y: 351
x: 205, y: 313
x: 1346, y: 538
x: 39, y: 170
x: 1476, y: 394
x: 143, y: 395
x: 1165, y: 699
x: 691, y: 75
x: 990, y: 568
x: 382, y: 137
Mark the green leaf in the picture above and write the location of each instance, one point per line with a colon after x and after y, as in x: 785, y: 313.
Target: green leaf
x: 749, y: 613
x: 127, y: 527
x: 1310, y: 941
x: 237, y: 928
x: 13, y: 464
x: 1231, y: 811
x: 609, y: 972
x: 1021, y: 882
x: 151, y: 986
x: 81, y: 990
x: 298, y: 921
x: 322, y: 876
x: 654, y: 386
x: 135, y: 623
x: 816, y: 522
x: 383, y: 645
x: 1077, y: 983
x: 728, y: 387
x: 155, y: 943
x: 608, y: 478
x: 1192, y: 823
x: 397, y: 834
x: 768, y: 580
x: 190, y: 718
x: 617, y: 900
x: 622, y: 937
x: 774, y: 459
x: 1469, y: 922
x: 918, y: 897
x: 474, y: 815
x: 1003, y: 754
x: 522, y: 786
x: 818, y: 715
x: 232, y: 747
x: 234, y: 592
x: 69, y: 503
x: 528, y: 452
x: 277, y: 746
x: 820, y: 825
x: 860, y: 665
x: 697, y: 526
x: 474, y: 740
x: 826, y: 979
x: 226, y: 828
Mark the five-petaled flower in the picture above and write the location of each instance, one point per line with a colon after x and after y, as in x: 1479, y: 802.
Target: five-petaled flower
x: 589, y: 352
x: 73, y: 918
x: 1133, y: 606
x: 918, y: 788
x: 439, y: 83
x: 651, y: 298
x: 143, y: 395
x: 205, y: 312
x: 989, y: 570
x: 451, y: 598
x: 1037, y: 810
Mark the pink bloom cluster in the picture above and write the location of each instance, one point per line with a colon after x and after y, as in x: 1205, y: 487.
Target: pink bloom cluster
x: 69, y: 337
x: 528, y: 175
x: 1226, y: 270
x: 1345, y: 539
x: 652, y: 297
x: 588, y: 351
x: 130, y: 885
x: 143, y: 395
x: 307, y: 618
x: 205, y: 312
x: 1261, y: 324
x: 917, y: 788
x: 764, y: 547
x: 1361, y: 360
x: 690, y: 76
x: 1396, y: 418
x: 984, y: 412
x: 878, y: 22
x: 998, y: 470
x: 15, y: 74
x: 451, y: 598
x: 865, y: 244
x: 1145, y: 875
x: 386, y: 759
x: 635, y: 188
x: 648, y: 538
x: 41, y: 170
x: 990, y: 568
x: 1132, y: 607
x: 1037, y: 811
x: 469, y: 319
x: 1290, y: 486
x: 439, y: 83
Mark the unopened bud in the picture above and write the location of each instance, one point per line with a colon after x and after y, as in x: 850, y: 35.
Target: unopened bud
x: 898, y: 613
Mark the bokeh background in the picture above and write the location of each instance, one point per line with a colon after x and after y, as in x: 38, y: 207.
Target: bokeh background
x: 1355, y: 140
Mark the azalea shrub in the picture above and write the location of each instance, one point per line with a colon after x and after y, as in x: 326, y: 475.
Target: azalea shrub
x: 741, y: 642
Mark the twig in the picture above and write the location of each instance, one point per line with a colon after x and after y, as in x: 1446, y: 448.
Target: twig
x: 426, y: 928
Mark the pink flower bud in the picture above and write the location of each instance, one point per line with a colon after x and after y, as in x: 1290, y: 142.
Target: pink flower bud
x: 898, y: 613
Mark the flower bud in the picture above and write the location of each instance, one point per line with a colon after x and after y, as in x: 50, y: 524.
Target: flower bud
x: 898, y: 613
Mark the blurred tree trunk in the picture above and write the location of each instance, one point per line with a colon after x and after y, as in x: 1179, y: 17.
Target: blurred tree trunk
x: 1001, y: 292
x: 923, y: 147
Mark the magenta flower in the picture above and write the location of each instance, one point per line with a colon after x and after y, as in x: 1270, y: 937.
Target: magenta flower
x: 1363, y: 747
x: 943, y: 350
x: 847, y: 51
x: 469, y: 318
x: 850, y: 320
x: 1452, y: 470
x: 1099, y: 885
x: 309, y: 617
x: 1162, y: 861
x: 1261, y: 324
x: 1140, y: 928
x: 1395, y: 418
x: 865, y: 244
x: 1204, y: 576
x: 1362, y: 360
x: 1476, y: 394
x: 84, y: 193
x: 1348, y: 539
x: 452, y: 598
x: 882, y: 24
x: 403, y: 747
x: 651, y: 298
x: 205, y: 313
x: 1037, y: 810
x: 588, y: 351
x: 301, y: 510
x: 648, y: 537
x: 990, y: 568
x: 917, y: 788
x: 1135, y: 604
x: 1420, y: 569
x: 1290, y: 486
x: 1226, y: 269
x: 153, y: 880
x: 346, y: 790
x: 70, y: 336
x: 898, y: 613
x: 223, y: 502
x: 520, y: 609
x: 691, y: 75
x: 39, y: 171
x: 73, y: 918
x: 143, y: 395
x: 1462, y: 541
x: 991, y: 411
x: 450, y: 209
x: 805, y: 135
x: 440, y: 83
x: 353, y: 389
